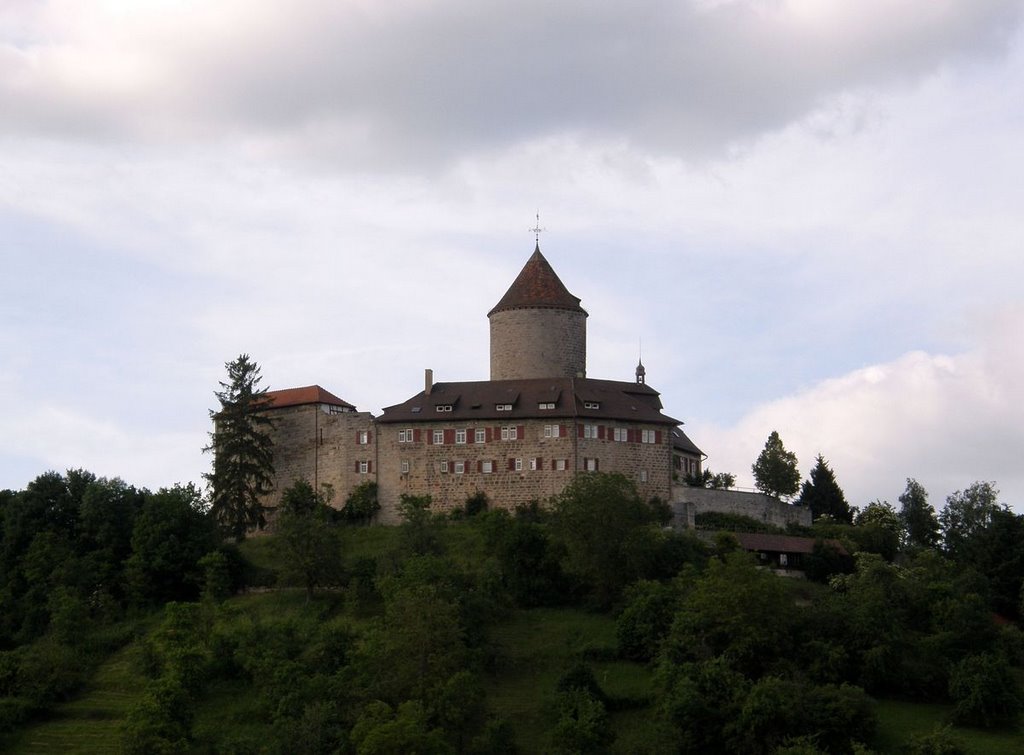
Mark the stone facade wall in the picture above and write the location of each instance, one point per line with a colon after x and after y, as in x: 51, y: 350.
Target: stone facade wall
x: 513, y: 479
x: 312, y: 444
x: 532, y: 343
x: 687, y: 502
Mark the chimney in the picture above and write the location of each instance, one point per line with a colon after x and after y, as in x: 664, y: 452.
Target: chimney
x: 428, y: 380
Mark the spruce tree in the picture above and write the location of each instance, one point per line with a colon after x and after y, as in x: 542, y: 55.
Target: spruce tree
x: 822, y: 494
x: 243, y: 462
x: 775, y: 471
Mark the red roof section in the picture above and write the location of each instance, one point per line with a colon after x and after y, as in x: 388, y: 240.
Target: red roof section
x: 537, y: 285
x: 310, y: 394
x: 757, y: 541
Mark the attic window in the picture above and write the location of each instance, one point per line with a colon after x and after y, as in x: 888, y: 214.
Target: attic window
x: 503, y: 407
x: 591, y: 404
x: 546, y: 405
x: 415, y: 410
x: 443, y: 407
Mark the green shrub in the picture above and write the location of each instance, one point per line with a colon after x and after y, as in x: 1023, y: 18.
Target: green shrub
x: 984, y: 691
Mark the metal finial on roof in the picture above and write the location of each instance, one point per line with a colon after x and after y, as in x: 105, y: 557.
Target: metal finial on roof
x: 537, y: 230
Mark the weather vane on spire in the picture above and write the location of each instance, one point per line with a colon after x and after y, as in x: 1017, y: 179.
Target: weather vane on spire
x: 537, y: 230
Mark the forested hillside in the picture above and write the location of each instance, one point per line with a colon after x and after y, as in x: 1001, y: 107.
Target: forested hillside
x: 128, y: 624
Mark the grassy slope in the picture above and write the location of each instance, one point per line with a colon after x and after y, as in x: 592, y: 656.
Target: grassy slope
x: 535, y: 648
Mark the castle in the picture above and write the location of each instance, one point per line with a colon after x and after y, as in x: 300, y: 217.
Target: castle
x: 518, y: 437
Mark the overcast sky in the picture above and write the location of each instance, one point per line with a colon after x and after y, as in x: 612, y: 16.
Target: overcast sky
x: 810, y: 212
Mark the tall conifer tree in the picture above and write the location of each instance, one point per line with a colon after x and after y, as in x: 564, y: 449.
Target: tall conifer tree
x: 822, y: 494
x: 243, y: 461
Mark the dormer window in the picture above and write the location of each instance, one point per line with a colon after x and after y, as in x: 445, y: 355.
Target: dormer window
x: 591, y: 404
x: 443, y: 407
x: 503, y: 407
x: 546, y: 405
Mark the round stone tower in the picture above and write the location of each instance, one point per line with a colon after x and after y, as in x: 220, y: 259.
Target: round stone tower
x: 538, y: 329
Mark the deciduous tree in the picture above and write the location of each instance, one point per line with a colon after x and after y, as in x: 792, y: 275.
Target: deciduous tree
x: 921, y: 526
x: 775, y: 471
x: 243, y: 461
x: 308, y: 538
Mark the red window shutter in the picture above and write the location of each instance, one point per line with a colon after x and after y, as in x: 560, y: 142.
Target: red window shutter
x: 488, y: 435
x: 540, y: 463
x: 497, y: 433
x: 521, y: 432
x: 430, y: 437
x: 600, y: 432
x: 449, y: 437
x: 479, y: 466
x: 369, y: 467
x: 597, y: 465
x: 416, y: 436
x: 369, y: 437
x: 511, y: 465
x: 631, y: 435
x: 580, y: 429
x: 563, y: 431
x: 657, y: 437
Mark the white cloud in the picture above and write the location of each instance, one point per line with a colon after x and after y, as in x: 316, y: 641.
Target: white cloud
x: 944, y: 420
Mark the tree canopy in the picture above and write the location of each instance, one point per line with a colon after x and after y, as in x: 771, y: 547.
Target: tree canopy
x: 775, y: 471
x: 822, y: 494
x: 243, y: 460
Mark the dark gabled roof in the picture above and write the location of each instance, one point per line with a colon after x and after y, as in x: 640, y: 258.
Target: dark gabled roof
x: 756, y: 541
x: 310, y: 394
x: 537, y: 285
x: 681, y: 442
x: 616, y: 401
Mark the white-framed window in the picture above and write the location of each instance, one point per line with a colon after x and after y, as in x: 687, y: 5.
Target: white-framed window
x: 460, y: 436
x: 783, y: 559
x: 591, y: 404
x: 480, y: 436
x: 487, y: 467
x: 533, y: 465
x: 551, y: 431
x: 364, y: 467
x: 405, y: 436
x: 519, y: 465
x: 443, y: 467
x: 590, y: 431
x: 510, y: 433
x: 620, y: 433
x: 363, y: 436
x: 503, y: 407
x: 560, y: 465
x: 647, y: 436
x: 590, y: 465
x: 460, y: 467
x: 405, y: 466
x: 546, y: 405
x: 642, y: 474
x: 438, y: 437
x: 443, y: 407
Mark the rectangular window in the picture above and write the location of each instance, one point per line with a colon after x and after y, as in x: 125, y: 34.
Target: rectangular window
x: 643, y: 475
x: 534, y: 465
x: 443, y: 407
x: 479, y: 436
x: 487, y: 467
x: 510, y: 433
x: 438, y: 437
x: 590, y: 431
x: 460, y: 467
x: 460, y: 436
x: 364, y: 467
x: 620, y: 433
x: 519, y: 465
x: 591, y: 405
x: 363, y: 437
x: 503, y: 407
x: 590, y: 465
x: 546, y: 405
x: 560, y: 465
x: 444, y: 467
x: 647, y: 436
x: 405, y: 436
x: 550, y: 431
x: 405, y: 466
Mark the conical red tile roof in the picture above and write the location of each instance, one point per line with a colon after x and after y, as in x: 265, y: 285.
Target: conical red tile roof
x: 537, y: 285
